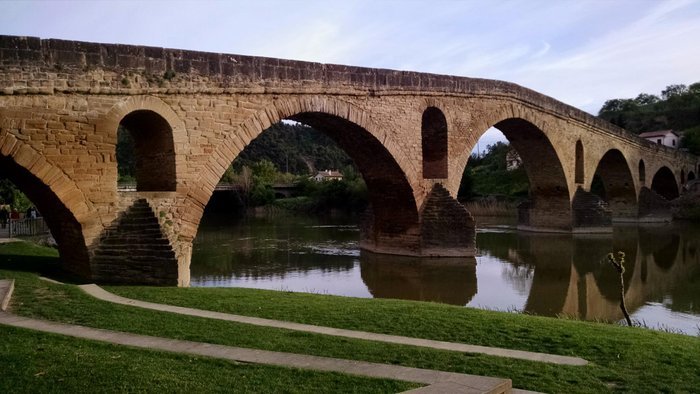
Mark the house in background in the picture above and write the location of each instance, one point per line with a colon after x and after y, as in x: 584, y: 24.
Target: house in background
x: 328, y: 175
x: 513, y: 160
x: 662, y: 137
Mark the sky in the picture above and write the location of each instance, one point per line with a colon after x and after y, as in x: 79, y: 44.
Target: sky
x: 581, y: 52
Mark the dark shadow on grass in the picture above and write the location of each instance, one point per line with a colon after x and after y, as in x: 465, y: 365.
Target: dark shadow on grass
x: 19, y: 256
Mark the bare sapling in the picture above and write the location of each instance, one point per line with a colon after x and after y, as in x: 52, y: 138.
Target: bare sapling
x: 620, y: 267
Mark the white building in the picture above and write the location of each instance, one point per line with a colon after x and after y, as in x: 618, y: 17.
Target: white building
x: 513, y: 160
x: 328, y: 175
x: 662, y: 137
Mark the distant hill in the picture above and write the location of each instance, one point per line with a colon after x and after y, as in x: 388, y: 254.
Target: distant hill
x: 294, y: 148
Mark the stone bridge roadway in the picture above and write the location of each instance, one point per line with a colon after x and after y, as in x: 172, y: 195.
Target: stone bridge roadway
x: 191, y: 114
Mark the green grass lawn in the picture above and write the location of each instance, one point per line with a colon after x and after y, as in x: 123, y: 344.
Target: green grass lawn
x: 622, y: 358
x: 34, y: 362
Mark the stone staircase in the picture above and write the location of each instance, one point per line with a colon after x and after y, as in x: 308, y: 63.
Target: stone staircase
x: 133, y: 250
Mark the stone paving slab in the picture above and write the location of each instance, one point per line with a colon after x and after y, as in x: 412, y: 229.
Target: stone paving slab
x: 6, y: 288
x: 104, y: 295
x: 445, y: 381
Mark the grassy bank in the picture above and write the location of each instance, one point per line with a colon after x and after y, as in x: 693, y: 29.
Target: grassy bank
x: 35, y: 362
x: 39, y: 362
x: 622, y: 359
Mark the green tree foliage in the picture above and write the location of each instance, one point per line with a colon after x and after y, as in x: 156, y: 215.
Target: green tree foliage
x: 488, y: 176
x: 126, y: 159
x: 10, y: 194
x: 294, y: 148
x: 677, y: 109
x: 348, y: 194
x: 264, y: 172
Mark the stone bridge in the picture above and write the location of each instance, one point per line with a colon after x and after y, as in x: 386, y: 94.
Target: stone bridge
x: 191, y: 114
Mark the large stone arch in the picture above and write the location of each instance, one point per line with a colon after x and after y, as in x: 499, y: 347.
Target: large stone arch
x: 664, y: 183
x: 620, y: 194
x: 392, y: 224
x: 145, y: 112
x: 549, y: 207
x: 63, y: 205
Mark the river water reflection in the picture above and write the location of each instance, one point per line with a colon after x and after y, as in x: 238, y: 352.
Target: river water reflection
x: 544, y: 274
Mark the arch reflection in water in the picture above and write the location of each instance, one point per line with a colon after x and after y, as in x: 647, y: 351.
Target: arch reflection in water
x: 544, y: 274
x: 446, y: 280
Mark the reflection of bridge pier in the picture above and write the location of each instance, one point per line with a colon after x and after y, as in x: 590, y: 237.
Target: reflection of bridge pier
x: 447, y: 280
x: 573, y: 277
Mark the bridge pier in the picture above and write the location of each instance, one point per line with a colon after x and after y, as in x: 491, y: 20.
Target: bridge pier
x: 590, y: 213
x: 653, y: 207
x: 445, y: 229
x: 543, y: 215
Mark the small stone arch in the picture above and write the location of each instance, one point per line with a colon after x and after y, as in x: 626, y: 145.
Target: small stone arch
x: 157, y: 132
x: 664, y: 184
x: 682, y: 177
x: 579, y: 164
x: 616, y: 176
x: 434, y: 144
x: 642, y: 172
x: 691, y: 176
x: 64, y: 207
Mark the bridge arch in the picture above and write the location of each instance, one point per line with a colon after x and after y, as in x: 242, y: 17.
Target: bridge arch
x: 434, y: 143
x: 664, y: 183
x: 691, y: 176
x: 384, y: 167
x: 63, y: 206
x: 618, y: 183
x: 156, y: 131
x: 549, y: 205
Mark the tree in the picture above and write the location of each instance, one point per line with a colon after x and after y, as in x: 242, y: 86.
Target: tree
x: 677, y: 109
x: 126, y: 159
x: 646, y: 99
x: 673, y: 90
x: 264, y: 172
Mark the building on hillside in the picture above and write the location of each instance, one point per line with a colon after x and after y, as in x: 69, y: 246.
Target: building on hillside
x: 328, y: 175
x: 662, y: 137
x: 513, y: 160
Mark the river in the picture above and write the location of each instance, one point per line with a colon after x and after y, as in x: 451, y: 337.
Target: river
x: 536, y: 273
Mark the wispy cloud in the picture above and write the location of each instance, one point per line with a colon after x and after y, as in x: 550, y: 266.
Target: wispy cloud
x: 581, y: 52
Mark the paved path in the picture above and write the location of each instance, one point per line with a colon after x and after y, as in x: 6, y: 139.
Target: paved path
x: 436, y: 381
x: 104, y: 295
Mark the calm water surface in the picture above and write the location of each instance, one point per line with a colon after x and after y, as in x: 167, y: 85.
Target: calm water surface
x: 544, y: 274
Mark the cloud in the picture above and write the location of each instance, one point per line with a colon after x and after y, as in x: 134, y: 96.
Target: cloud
x: 580, y: 52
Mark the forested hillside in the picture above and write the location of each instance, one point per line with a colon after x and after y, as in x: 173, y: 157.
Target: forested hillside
x: 294, y: 148
x: 678, y: 108
x: 488, y: 176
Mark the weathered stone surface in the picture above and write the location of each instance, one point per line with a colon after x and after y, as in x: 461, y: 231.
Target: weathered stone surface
x: 61, y: 103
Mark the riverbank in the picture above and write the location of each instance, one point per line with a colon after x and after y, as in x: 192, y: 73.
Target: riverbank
x: 622, y: 358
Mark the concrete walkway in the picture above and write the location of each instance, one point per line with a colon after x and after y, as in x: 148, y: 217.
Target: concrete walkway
x: 104, y: 295
x: 436, y: 381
